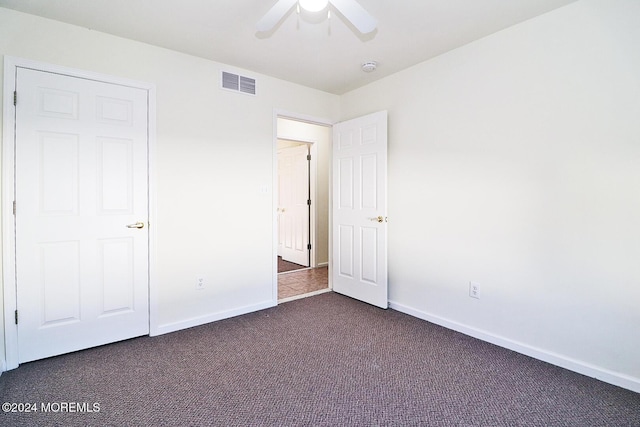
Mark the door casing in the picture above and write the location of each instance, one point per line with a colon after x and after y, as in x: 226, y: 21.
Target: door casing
x: 8, y: 190
x: 313, y: 171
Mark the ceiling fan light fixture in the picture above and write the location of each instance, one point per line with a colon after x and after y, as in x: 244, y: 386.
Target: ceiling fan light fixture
x: 313, y: 5
x: 349, y: 10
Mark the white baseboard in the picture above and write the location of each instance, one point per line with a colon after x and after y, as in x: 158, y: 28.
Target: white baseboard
x: 3, y: 366
x: 322, y: 264
x: 617, y: 379
x: 213, y: 317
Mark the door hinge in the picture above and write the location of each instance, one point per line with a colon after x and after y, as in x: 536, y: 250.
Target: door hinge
x: 308, y: 202
x: 15, y: 97
x: 16, y: 317
x: 309, y: 246
x: 14, y: 208
x: 309, y: 157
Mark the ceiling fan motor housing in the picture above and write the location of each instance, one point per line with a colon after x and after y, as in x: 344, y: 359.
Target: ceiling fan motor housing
x: 314, y: 5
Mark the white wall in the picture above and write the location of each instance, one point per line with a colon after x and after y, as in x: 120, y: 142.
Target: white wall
x: 321, y: 136
x: 214, y: 155
x: 514, y: 162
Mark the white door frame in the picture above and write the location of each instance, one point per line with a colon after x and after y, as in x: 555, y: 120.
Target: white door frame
x: 314, y: 121
x: 8, y: 191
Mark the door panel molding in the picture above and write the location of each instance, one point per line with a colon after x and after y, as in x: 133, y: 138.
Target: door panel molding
x: 11, y: 65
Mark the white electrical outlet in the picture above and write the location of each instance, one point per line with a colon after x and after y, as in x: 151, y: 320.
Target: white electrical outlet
x: 200, y: 282
x: 474, y: 290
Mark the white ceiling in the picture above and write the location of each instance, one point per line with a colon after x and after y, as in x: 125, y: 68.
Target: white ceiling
x: 325, y: 55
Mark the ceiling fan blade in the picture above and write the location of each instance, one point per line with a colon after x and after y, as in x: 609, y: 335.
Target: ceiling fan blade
x: 274, y: 15
x: 356, y: 14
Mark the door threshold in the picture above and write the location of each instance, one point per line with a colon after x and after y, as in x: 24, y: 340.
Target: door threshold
x: 309, y: 294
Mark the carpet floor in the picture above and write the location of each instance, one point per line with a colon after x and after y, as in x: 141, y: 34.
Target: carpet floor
x: 321, y: 361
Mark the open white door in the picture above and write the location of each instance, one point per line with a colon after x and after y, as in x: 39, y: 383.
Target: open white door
x: 359, y: 253
x: 293, y: 207
x: 81, y: 218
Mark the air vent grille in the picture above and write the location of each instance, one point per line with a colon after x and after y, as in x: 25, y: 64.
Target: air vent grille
x: 238, y: 83
x: 230, y: 81
x: 247, y: 85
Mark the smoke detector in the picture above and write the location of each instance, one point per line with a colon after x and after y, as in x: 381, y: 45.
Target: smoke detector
x: 370, y: 66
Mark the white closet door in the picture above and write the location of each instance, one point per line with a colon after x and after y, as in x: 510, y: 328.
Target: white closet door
x: 81, y: 213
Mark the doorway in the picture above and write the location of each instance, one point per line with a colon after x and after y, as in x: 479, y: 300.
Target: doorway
x: 302, y: 207
x: 356, y: 205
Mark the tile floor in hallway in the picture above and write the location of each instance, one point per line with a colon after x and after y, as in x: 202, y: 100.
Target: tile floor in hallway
x: 302, y: 282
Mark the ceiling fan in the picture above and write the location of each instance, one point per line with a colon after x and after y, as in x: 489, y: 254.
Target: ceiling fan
x: 350, y: 9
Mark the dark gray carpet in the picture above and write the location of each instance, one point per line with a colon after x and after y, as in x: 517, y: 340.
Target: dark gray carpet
x: 321, y: 361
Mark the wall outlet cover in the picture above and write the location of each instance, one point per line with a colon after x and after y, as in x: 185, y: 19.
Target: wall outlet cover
x: 474, y: 290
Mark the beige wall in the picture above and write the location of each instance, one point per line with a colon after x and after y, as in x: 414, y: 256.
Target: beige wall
x: 514, y: 162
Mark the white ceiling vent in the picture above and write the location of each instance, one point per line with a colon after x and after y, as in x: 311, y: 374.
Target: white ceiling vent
x: 238, y: 83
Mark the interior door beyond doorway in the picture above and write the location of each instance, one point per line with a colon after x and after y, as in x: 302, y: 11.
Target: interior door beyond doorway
x: 294, y: 204
x: 81, y: 192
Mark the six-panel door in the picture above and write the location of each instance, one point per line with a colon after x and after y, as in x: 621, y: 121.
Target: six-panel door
x: 81, y: 179
x: 359, y: 209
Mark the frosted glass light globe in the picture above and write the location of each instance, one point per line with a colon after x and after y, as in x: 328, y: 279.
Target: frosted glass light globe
x: 313, y: 5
